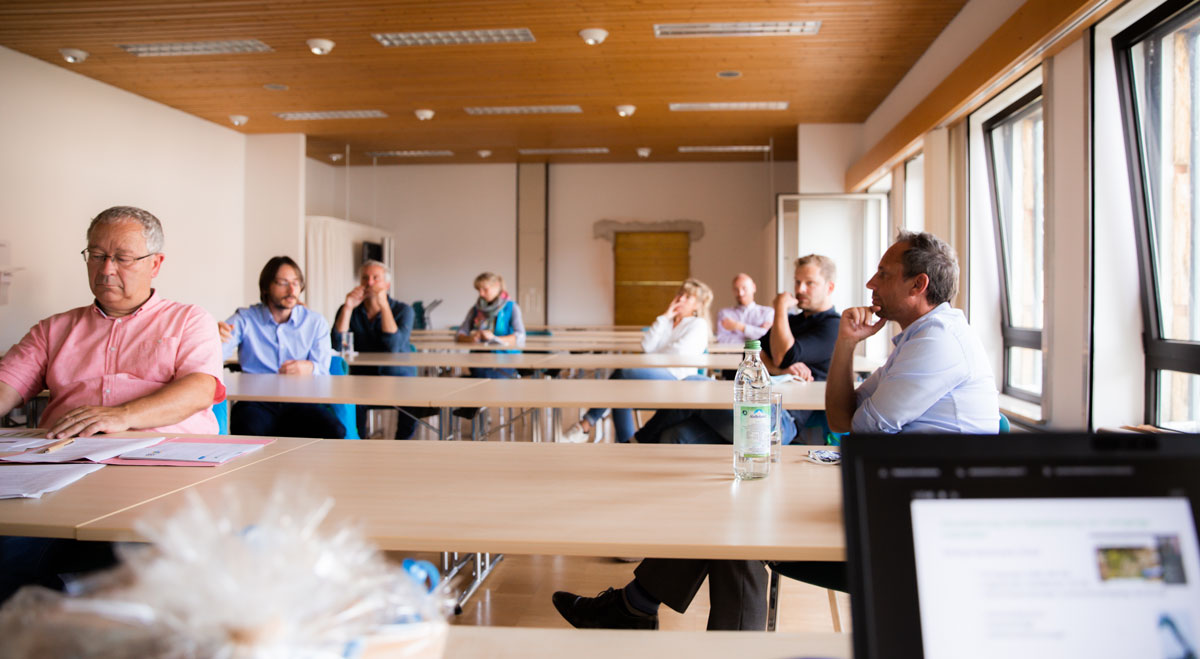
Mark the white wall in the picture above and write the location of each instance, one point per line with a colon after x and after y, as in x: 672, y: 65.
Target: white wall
x: 823, y: 154
x: 73, y: 147
x: 275, y: 209
x: 322, y: 189
x: 451, y: 222
x: 734, y: 201
x: 974, y: 23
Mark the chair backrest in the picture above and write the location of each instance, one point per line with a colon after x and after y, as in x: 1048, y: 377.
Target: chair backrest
x: 221, y: 411
x: 1004, y: 424
x: 344, y: 411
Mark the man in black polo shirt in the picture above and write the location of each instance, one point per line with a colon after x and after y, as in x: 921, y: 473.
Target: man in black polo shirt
x: 798, y: 344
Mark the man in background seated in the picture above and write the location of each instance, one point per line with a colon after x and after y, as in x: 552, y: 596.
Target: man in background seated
x: 747, y: 320
x: 131, y: 360
x: 937, y: 379
x: 280, y: 335
x: 799, y: 345
x: 379, y: 323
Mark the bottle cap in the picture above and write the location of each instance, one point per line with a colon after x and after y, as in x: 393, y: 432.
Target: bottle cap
x: 753, y: 345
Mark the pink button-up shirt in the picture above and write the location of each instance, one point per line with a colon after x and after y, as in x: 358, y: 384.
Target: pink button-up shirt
x: 87, y: 358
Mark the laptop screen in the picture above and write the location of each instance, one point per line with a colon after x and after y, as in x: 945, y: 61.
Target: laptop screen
x: 1040, y: 545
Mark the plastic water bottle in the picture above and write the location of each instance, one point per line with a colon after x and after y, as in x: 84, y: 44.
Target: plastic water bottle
x: 751, y: 417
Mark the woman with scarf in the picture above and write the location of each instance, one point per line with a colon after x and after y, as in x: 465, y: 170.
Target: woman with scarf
x: 494, y: 319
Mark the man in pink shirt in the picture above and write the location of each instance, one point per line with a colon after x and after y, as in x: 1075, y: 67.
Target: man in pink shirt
x: 129, y: 361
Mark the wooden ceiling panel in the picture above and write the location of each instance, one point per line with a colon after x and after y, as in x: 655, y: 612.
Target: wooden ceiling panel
x: 840, y: 74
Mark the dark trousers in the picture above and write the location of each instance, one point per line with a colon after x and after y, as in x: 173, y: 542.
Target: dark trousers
x: 406, y: 418
x: 737, y: 590
x: 46, y: 561
x: 252, y: 417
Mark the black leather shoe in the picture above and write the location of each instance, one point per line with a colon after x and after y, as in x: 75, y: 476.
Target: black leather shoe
x: 604, y: 611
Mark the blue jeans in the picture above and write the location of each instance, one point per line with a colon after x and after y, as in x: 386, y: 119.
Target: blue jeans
x: 266, y: 419
x: 623, y: 418
x: 707, y: 427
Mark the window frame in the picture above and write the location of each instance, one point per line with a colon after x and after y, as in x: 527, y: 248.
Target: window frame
x: 1160, y: 354
x: 1013, y: 337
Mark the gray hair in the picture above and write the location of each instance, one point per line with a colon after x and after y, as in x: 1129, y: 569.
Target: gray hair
x: 151, y: 227
x: 387, y: 272
x: 930, y: 256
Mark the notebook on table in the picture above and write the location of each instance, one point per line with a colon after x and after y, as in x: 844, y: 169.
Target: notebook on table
x: 1040, y: 545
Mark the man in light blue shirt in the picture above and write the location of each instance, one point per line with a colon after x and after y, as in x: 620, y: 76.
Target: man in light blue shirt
x: 280, y: 335
x: 938, y: 378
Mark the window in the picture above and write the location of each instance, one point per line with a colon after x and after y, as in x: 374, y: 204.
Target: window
x: 1013, y: 142
x: 1158, y: 69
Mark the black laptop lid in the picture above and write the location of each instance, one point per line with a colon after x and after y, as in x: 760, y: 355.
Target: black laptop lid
x: 1043, y: 545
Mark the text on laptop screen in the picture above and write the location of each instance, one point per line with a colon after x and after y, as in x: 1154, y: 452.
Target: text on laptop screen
x: 1097, y: 577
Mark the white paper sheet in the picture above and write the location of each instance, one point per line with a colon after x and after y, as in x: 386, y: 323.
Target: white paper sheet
x: 87, y: 448
x: 191, y: 452
x: 32, y: 481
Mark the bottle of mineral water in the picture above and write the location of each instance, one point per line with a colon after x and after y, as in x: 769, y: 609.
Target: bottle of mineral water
x: 751, y: 417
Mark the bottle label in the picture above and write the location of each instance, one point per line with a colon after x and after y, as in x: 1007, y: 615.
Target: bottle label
x: 752, y: 429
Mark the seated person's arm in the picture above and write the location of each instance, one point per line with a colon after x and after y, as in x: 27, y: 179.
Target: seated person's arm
x: 9, y: 399
x: 172, y: 403
x: 397, y: 339
x: 840, y: 402
x: 341, y: 322
x: 781, y: 330
x: 517, y: 324
x: 388, y: 322
x: 921, y: 372
x: 319, y: 354
x: 753, y: 332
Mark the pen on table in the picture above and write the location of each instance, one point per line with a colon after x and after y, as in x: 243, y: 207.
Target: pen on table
x: 50, y: 448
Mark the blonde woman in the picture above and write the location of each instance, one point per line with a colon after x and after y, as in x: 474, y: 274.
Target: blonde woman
x: 683, y: 329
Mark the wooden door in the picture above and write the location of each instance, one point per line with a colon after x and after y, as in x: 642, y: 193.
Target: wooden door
x: 648, y: 268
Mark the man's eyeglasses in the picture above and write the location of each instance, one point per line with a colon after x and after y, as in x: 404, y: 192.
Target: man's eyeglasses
x: 96, y: 257
x: 288, y: 283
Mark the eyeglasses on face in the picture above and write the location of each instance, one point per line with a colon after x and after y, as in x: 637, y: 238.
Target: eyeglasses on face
x: 287, y: 283
x: 97, y: 257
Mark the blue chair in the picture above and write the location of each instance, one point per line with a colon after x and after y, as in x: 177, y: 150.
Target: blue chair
x: 221, y: 411
x: 343, y: 411
x: 1004, y: 424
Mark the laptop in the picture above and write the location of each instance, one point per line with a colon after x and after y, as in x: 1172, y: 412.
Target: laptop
x: 1039, y: 545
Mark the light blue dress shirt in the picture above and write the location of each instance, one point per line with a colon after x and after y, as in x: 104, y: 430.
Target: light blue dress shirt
x: 265, y: 345
x: 938, y: 379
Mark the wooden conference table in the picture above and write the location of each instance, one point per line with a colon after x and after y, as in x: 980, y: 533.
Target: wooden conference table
x: 116, y: 488
x: 571, y: 499
x: 564, y: 360
x: 525, y: 643
x: 470, y: 392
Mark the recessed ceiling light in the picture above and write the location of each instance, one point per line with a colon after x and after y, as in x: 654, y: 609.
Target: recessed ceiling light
x: 643, y: 151
x: 73, y: 55
x: 727, y: 107
x: 320, y: 46
x: 729, y: 74
x: 454, y: 37
x: 424, y: 114
x: 626, y: 110
x: 238, y: 119
x: 275, y: 87
x: 743, y: 148
x: 761, y: 29
x: 525, y: 109
x: 411, y: 153
x: 593, y: 36
x: 553, y: 152
x: 335, y: 157
x: 196, y: 48
x: 484, y: 153
x: 334, y: 114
